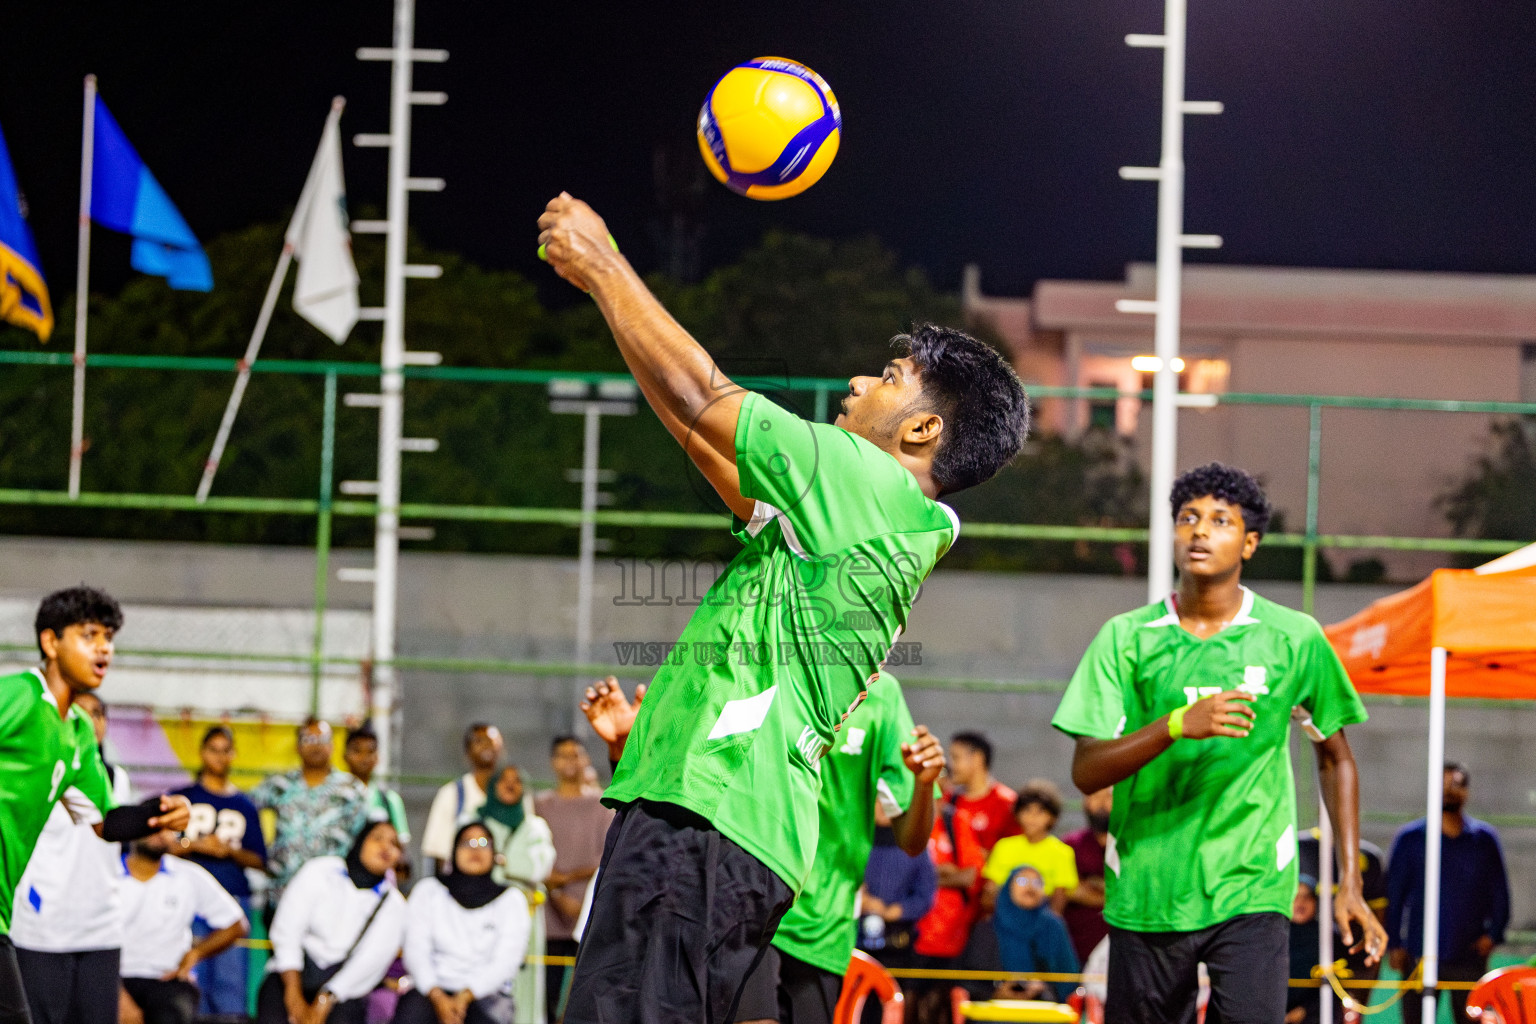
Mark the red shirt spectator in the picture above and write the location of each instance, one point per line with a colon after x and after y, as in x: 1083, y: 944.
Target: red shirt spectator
x: 957, y: 859
x: 986, y: 803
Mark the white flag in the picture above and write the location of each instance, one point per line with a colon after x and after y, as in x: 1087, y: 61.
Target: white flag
x: 325, y: 288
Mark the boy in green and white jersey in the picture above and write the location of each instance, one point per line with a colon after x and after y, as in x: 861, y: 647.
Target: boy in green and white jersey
x: 841, y: 525
x: 1185, y: 708
x: 882, y: 758
x: 48, y: 753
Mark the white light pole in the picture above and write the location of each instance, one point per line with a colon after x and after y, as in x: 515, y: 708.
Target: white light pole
x: 1171, y: 243
x: 394, y: 358
x: 614, y: 398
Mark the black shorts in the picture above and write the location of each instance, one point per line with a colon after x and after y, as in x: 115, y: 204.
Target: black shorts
x: 679, y: 919
x: 70, y: 988
x: 789, y: 990
x: 163, y: 1002
x: 13, y: 995
x: 1153, y: 976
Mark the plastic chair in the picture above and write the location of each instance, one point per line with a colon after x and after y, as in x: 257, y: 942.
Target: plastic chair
x: 864, y: 977
x: 1504, y: 996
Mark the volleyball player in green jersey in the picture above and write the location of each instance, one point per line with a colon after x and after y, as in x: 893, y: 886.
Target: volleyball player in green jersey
x: 48, y: 753
x: 881, y: 757
x: 717, y: 789
x: 1185, y: 708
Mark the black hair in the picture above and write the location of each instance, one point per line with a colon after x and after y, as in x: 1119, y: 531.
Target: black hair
x: 977, y: 742
x: 1039, y: 793
x: 217, y: 730
x: 554, y: 744
x: 76, y: 606
x: 469, y: 733
x: 362, y: 732
x: 1459, y: 769
x: 1231, y: 485
x: 985, y: 409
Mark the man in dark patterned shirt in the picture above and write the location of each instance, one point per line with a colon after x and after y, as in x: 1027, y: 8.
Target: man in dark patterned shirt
x: 319, y: 808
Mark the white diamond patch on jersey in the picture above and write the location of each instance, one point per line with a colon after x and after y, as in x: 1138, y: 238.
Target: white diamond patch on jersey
x: 744, y: 715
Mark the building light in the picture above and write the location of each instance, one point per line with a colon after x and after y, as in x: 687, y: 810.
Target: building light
x: 1151, y: 364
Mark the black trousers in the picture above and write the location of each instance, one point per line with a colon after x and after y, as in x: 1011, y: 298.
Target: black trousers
x: 680, y: 918
x: 270, y: 1008
x: 1153, y: 976
x: 555, y: 974
x: 13, y: 994
x: 416, y: 1008
x: 1462, y: 969
x: 70, y: 988
x: 163, y: 1002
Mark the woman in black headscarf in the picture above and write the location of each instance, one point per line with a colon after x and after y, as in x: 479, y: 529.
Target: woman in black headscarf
x: 465, y: 940
x: 335, y: 934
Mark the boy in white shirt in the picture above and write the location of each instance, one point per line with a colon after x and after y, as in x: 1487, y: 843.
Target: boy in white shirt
x: 160, y: 896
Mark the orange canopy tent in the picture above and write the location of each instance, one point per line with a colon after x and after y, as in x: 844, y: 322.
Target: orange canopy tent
x: 1462, y: 633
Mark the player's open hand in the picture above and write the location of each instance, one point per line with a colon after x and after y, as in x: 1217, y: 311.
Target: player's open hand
x: 574, y: 240
x: 1349, y: 910
x: 924, y: 756
x: 610, y: 713
x: 175, y: 813
x: 1225, y: 714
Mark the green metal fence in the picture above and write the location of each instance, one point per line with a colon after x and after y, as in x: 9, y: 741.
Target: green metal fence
x: 323, y: 508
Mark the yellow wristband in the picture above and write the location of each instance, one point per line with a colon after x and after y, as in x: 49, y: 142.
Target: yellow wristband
x: 1176, y: 722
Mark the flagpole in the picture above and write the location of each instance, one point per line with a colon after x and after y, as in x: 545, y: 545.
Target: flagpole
x: 243, y: 377
x: 82, y: 288
x: 264, y: 319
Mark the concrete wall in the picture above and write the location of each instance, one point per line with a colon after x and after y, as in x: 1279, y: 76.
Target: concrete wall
x: 969, y: 624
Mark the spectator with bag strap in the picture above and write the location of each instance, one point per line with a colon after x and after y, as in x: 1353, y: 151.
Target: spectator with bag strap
x: 335, y: 934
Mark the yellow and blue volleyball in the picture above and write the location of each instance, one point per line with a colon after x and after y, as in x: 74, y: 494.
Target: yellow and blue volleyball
x: 770, y: 128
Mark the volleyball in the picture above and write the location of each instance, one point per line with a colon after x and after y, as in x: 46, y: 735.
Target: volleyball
x: 770, y: 128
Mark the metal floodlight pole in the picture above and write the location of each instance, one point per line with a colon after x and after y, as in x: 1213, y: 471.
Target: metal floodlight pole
x: 1171, y: 243
x: 614, y: 398
x: 393, y: 359
x: 82, y: 286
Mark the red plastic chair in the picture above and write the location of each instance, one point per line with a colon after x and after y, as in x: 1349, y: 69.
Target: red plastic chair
x: 1504, y: 996
x: 865, y: 976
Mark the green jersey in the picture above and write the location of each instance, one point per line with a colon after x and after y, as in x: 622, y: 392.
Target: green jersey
x: 787, y: 640
x: 864, y: 766
x: 1207, y: 829
x: 43, y: 758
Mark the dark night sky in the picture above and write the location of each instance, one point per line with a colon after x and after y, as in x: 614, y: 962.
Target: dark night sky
x: 986, y: 132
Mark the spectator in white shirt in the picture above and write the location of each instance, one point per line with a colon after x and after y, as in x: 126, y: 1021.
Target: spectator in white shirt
x: 160, y: 896
x: 336, y: 932
x: 465, y: 939
x: 460, y: 799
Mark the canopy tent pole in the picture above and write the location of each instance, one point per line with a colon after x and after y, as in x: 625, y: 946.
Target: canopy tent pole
x: 1324, y: 903
x: 1433, y: 808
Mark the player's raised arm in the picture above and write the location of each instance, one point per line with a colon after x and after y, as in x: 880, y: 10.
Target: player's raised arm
x: 695, y: 401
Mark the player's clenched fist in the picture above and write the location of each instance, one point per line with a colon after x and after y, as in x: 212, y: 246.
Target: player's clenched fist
x: 924, y: 756
x: 175, y: 813
x: 574, y: 239
x: 1225, y: 714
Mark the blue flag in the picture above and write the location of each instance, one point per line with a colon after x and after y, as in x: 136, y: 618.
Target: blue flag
x: 23, y: 294
x: 127, y: 198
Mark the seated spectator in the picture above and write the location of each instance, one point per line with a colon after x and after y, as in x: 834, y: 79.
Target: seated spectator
x: 525, y: 854
x: 224, y: 838
x: 319, y: 809
x: 986, y: 803
x: 1304, y: 1005
x: 1085, y: 907
x: 160, y: 896
x: 460, y: 799
x: 945, y: 931
x: 898, y: 890
x: 1036, y: 810
x: 465, y: 939
x: 335, y: 934
x: 1031, y: 938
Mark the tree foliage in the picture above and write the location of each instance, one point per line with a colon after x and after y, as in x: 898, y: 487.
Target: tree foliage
x: 1496, y: 500
x: 792, y: 306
